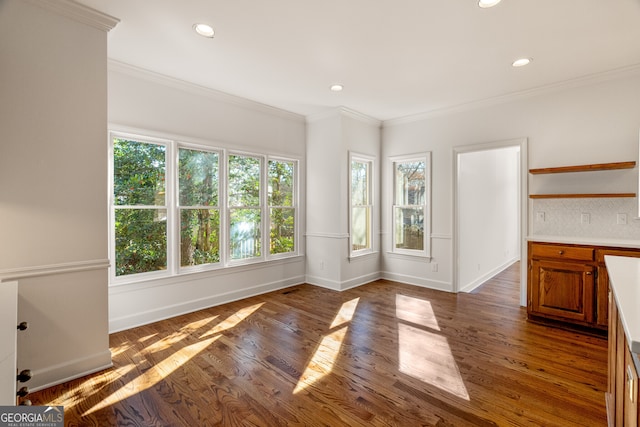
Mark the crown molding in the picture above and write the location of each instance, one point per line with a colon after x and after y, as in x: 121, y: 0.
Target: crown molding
x: 152, y: 76
x: 581, y: 81
x: 78, y: 12
x: 344, y: 111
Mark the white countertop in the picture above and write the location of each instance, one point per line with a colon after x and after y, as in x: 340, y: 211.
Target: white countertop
x: 624, y: 280
x: 594, y: 241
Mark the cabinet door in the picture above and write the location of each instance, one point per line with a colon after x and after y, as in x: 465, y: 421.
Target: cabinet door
x: 630, y: 391
x: 602, y: 285
x: 602, y: 298
x: 8, y: 331
x: 612, y: 346
x: 562, y: 290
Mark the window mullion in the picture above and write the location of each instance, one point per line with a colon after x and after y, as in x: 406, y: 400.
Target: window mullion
x: 171, y: 202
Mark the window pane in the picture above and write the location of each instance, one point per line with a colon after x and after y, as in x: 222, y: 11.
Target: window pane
x: 360, y: 226
x: 139, y: 171
x: 410, y: 183
x: 244, y: 233
x: 359, y: 183
x: 244, y: 181
x: 199, y: 236
x: 281, y: 183
x: 198, y: 178
x: 409, y: 232
x: 282, y: 230
x: 141, y: 240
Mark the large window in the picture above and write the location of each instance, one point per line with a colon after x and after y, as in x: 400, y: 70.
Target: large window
x: 360, y: 232
x: 175, y: 209
x: 282, y: 209
x: 245, y: 211
x: 198, y: 189
x: 411, y: 210
x: 140, y: 206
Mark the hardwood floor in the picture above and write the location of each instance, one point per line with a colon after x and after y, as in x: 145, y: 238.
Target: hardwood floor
x: 383, y: 354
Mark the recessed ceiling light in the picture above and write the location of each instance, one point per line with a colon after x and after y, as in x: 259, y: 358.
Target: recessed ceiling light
x: 336, y: 88
x: 521, y: 62
x: 487, y: 3
x: 204, y: 30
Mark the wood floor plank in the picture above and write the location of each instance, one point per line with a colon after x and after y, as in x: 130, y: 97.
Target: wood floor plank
x: 382, y: 354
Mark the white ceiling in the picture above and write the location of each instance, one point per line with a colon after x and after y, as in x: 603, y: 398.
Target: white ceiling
x: 395, y: 58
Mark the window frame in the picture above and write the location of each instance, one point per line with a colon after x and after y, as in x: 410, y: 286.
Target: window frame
x: 426, y: 205
x: 178, y: 208
x: 294, y: 206
x: 370, y: 161
x: 173, y: 208
x: 169, y: 191
x: 260, y: 207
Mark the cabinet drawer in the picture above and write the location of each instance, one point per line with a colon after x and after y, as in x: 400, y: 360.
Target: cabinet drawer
x: 561, y: 252
x: 600, y: 253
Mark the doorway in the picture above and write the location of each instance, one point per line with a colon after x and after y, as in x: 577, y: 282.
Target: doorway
x: 490, y: 212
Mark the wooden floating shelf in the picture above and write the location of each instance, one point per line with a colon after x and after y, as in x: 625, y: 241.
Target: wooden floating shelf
x: 585, y: 168
x: 580, y: 196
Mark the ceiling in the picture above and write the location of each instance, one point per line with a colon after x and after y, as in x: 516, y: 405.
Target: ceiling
x: 395, y: 58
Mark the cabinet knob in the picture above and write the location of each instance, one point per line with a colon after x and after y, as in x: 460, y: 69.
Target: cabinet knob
x: 25, y: 402
x: 24, y: 376
x: 23, y: 391
x: 588, y: 273
x: 560, y: 252
x: 23, y: 325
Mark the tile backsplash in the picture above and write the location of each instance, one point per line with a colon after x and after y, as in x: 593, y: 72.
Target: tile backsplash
x: 588, y: 217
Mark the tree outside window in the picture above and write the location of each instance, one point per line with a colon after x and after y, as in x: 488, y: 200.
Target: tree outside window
x: 168, y: 215
x: 198, y: 188
x: 245, y: 212
x: 281, y: 202
x: 410, y: 214
x: 139, y: 195
x: 361, y: 205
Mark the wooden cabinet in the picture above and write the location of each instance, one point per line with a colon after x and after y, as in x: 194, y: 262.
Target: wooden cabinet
x: 562, y: 290
x: 569, y: 284
x: 622, y: 390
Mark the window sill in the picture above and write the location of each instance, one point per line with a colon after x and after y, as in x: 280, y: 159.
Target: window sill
x: 408, y: 256
x: 187, y: 275
x: 364, y: 256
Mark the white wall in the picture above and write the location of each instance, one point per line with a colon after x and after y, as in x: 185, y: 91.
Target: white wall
x: 488, y: 200
x: 53, y: 164
x: 330, y: 139
x: 153, y: 105
x: 594, y: 122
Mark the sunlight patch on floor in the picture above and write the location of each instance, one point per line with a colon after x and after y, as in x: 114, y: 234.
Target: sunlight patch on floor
x: 427, y: 357
x: 232, y: 320
x: 154, y: 374
x: 416, y: 310
x: 327, y: 352
x: 323, y: 359
x: 168, y: 341
x: 346, y: 313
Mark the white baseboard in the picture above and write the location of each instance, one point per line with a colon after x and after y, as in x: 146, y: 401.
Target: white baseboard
x: 323, y: 282
x: 482, y: 279
x: 69, y: 370
x: 335, y: 285
x: 143, y: 318
x: 438, y: 285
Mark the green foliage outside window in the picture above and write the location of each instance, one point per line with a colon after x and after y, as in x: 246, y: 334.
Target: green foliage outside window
x: 198, y: 190
x: 281, y: 213
x: 141, y: 207
x: 139, y: 189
